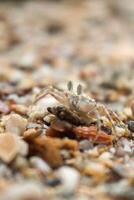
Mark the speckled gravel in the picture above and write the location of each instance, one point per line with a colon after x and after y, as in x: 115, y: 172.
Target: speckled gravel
x: 47, y: 149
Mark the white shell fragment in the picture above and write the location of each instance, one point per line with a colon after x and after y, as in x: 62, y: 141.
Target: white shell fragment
x: 39, y: 110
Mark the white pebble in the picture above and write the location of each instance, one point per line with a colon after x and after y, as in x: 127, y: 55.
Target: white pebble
x: 24, y: 190
x: 120, y: 131
x: 40, y: 164
x: 69, y: 177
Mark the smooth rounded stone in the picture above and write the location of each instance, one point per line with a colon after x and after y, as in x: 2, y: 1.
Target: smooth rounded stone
x: 121, y: 190
x: 23, y: 100
x: 23, y: 190
x: 27, y: 60
x: 40, y: 164
x: 120, y: 131
x: 23, y: 147
x: 126, y: 144
x: 10, y: 146
x: 82, y: 197
x: 131, y: 125
x: 17, y: 76
x: 85, y: 145
x: 69, y: 178
x: 5, y: 171
x: 13, y: 97
x: 4, y: 108
x: 112, y: 150
x: 20, y: 109
x: 106, y: 155
x: 20, y: 162
x: 120, y: 152
x: 53, y: 182
x: 15, y: 124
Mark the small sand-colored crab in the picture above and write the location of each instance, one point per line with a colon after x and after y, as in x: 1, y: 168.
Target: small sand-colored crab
x: 81, y: 105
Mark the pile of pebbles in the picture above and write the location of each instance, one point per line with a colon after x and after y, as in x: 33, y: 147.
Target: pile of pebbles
x: 50, y: 43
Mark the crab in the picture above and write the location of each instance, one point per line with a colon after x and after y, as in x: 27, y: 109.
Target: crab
x: 80, y: 105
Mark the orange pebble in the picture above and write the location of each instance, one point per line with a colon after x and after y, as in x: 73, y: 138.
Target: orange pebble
x: 91, y: 133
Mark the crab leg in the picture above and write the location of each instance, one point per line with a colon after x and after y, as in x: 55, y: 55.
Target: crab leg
x: 54, y: 92
x: 109, y: 117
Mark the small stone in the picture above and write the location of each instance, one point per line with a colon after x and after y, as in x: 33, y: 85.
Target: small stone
x: 120, y: 190
x: 40, y: 164
x: 23, y: 190
x: 4, y: 108
x: 5, y: 171
x: 15, y: 124
x: 105, y: 156
x: 53, y: 182
x: 20, y: 162
x: 10, y: 146
x: 131, y: 125
x: 85, y: 145
x: 23, y: 147
x: 20, y: 109
x: 27, y: 60
x: 69, y: 178
x: 120, y: 131
x: 96, y: 170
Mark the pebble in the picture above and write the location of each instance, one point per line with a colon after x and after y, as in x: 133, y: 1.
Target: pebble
x: 105, y: 156
x: 10, y: 146
x: 97, y: 170
x: 4, y: 108
x: 85, y: 145
x: 20, y: 109
x: 120, y: 131
x: 120, y: 190
x: 53, y: 182
x: 131, y: 125
x: 23, y: 190
x: 40, y: 164
x: 5, y: 171
x: 20, y: 162
x: 27, y: 60
x: 69, y: 178
x: 15, y: 124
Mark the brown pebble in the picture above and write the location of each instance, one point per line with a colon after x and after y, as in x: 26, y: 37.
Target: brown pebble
x: 49, y: 148
x: 20, y: 109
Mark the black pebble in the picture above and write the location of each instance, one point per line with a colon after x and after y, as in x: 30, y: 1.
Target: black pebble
x: 106, y: 129
x: 131, y: 125
x: 53, y: 182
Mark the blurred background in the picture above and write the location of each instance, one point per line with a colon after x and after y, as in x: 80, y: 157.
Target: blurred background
x: 50, y: 42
